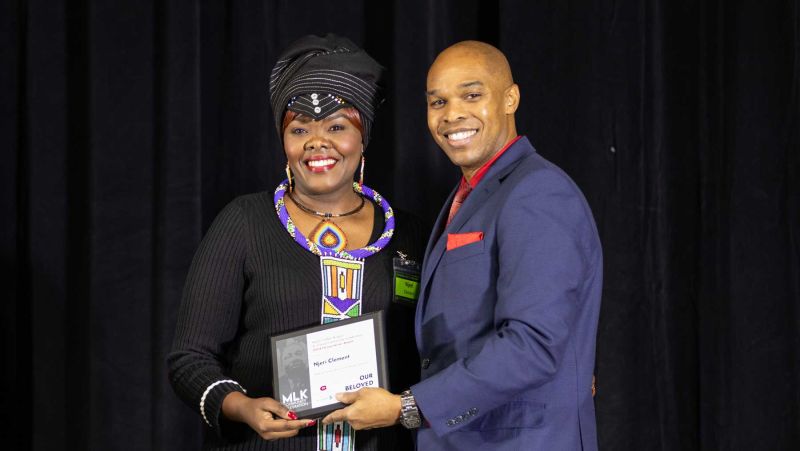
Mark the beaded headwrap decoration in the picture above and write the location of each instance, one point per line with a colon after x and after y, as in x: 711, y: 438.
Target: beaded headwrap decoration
x: 317, y: 105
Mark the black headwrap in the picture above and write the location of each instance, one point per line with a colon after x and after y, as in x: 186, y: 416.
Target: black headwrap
x: 319, y: 75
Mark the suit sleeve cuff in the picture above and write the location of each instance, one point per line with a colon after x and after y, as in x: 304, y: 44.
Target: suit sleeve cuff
x: 443, y: 417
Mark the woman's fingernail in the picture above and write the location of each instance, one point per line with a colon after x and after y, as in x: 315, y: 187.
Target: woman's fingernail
x: 291, y: 415
x: 311, y: 423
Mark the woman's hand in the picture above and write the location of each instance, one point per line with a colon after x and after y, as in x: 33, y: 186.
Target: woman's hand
x: 369, y: 408
x: 269, y: 418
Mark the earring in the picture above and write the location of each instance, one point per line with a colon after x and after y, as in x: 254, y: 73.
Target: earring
x: 361, y: 177
x: 289, y: 177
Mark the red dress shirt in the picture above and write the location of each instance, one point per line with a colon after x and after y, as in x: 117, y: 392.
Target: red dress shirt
x: 465, y: 187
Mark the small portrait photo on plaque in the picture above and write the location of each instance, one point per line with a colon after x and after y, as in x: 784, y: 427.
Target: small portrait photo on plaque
x: 293, y: 377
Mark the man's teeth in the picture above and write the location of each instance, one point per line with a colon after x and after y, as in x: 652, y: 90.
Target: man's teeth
x: 321, y: 163
x: 461, y: 135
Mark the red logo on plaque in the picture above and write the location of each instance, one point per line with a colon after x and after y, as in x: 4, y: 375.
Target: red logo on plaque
x: 323, y: 388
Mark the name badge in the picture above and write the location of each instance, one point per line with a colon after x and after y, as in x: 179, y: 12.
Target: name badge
x: 406, y: 280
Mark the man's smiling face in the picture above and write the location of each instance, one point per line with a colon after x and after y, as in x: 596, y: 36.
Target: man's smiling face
x: 470, y: 108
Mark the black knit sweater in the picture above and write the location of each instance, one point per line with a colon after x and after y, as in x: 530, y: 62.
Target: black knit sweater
x: 248, y: 281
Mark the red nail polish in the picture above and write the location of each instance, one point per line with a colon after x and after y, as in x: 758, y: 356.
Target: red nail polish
x: 311, y: 423
x: 291, y: 415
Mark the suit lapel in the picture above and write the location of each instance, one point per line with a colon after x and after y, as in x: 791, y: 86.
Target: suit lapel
x: 438, y: 227
x: 438, y: 241
x: 490, y: 183
x: 434, y: 247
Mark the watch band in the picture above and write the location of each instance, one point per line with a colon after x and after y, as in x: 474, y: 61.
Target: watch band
x: 409, y: 412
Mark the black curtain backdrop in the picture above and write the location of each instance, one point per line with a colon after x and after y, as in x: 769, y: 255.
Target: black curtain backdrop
x: 127, y: 125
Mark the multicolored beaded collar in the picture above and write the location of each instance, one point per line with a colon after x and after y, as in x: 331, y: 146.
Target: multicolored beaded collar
x: 353, y: 254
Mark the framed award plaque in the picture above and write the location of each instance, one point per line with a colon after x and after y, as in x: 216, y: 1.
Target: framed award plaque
x: 311, y: 365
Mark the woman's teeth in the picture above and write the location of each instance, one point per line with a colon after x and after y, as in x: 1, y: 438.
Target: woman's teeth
x: 461, y: 135
x: 321, y: 163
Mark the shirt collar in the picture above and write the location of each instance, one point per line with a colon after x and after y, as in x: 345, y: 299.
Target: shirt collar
x: 473, y: 182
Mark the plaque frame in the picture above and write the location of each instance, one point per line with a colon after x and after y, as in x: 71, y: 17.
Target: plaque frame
x: 379, y: 331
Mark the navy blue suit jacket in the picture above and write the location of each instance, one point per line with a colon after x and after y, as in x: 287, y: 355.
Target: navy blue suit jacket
x: 506, y: 325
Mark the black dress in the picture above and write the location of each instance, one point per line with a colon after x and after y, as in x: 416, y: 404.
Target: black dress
x: 248, y: 281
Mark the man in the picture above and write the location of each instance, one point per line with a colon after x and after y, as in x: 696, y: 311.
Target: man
x: 511, y: 283
x: 293, y: 378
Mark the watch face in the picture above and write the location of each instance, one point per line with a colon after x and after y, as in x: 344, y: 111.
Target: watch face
x: 412, y: 423
x: 409, y: 412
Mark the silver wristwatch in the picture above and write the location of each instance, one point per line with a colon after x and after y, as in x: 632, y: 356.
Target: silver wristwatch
x: 409, y: 413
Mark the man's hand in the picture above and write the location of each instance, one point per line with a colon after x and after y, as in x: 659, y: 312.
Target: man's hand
x: 269, y: 418
x: 368, y: 408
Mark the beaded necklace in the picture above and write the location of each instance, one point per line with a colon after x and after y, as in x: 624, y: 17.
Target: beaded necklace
x: 342, y: 274
x: 327, y: 234
x: 353, y: 254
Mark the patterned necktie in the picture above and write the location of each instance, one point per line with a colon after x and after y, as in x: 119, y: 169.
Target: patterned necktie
x: 461, y: 195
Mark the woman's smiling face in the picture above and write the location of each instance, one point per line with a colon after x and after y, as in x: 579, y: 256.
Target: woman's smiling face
x: 323, y: 155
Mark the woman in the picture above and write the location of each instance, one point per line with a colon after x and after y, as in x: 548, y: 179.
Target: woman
x: 259, y: 270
